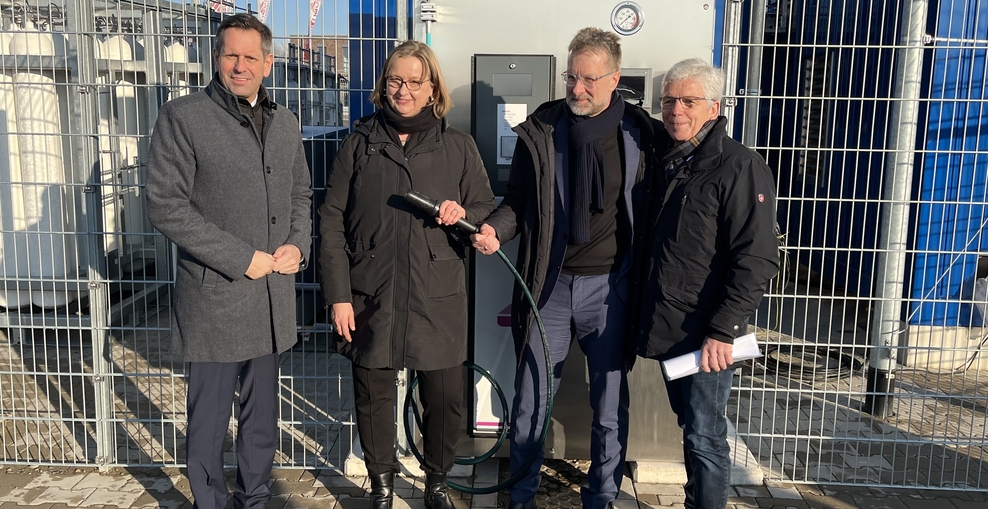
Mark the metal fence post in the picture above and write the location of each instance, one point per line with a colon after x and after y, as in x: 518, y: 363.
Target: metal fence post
x: 893, y: 235
x: 83, y: 25
x: 404, y: 377
x: 752, y: 82
x: 730, y: 58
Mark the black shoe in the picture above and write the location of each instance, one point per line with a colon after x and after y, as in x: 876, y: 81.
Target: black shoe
x: 436, y: 491
x: 382, y: 490
x: 522, y: 505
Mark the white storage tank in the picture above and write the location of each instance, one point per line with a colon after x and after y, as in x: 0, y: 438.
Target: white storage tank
x: 177, y: 53
x: 122, y: 149
x: 13, y: 241
x: 49, y: 217
x: 127, y: 127
x: 122, y: 47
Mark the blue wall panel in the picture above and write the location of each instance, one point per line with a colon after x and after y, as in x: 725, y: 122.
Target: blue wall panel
x: 951, y: 187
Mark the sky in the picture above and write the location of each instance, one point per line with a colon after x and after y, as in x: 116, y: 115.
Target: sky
x: 291, y: 17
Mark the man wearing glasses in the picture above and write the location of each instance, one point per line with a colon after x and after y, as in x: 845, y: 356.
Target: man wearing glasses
x: 703, y: 257
x: 569, y: 200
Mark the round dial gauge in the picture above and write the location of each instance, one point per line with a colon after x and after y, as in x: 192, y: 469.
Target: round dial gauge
x: 627, y: 18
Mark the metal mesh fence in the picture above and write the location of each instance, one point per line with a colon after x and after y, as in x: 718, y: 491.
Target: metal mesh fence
x: 873, y: 116
x: 86, y: 376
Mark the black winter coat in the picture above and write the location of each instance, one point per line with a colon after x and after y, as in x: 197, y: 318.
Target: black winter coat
x: 707, y: 249
x: 529, y: 209
x: 402, y: 271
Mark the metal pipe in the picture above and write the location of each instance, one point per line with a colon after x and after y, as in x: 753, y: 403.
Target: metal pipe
x: 730, y: 58
x: 402, y: 31
x: 402, y: 20
x: 890, y: 266
x: 756, y: 39
x: 402, y: 380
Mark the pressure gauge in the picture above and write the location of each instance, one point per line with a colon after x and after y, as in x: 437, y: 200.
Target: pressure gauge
x: 627, y: 18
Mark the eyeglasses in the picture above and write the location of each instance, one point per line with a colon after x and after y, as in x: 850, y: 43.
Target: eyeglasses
x: 669, y: 102
x: 588, y: 81
x: 396, y: 83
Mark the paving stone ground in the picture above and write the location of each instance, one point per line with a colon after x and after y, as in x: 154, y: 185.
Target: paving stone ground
x: 46, y: 487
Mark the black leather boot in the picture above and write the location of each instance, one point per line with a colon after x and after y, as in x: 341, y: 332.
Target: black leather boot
x: 436, y: 491
x: 382, y: 490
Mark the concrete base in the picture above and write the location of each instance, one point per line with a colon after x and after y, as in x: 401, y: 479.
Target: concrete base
x: 354, y: 465
x: 745, y: 470
x: 943, y: 348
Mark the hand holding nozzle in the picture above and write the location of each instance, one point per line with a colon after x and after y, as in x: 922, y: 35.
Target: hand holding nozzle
x: 485, y: 240
x: 443, y: 212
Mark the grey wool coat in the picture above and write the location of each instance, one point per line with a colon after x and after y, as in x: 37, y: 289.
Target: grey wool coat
x: 220, y: 190
x: 403, y: 272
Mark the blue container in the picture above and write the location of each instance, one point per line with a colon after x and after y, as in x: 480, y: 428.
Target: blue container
x: 952, y: 187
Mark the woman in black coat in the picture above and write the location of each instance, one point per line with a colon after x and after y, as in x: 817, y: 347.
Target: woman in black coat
x: 393, y: 277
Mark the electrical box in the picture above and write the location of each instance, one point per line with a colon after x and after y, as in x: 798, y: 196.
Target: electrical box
x: 428, y: 11
x: 635, y: 86
x: 506, y: 89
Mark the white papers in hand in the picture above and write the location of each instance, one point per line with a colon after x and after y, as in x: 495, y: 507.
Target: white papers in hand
x: 745, y: 347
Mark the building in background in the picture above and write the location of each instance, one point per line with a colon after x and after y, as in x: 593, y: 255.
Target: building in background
x: 322, y: 61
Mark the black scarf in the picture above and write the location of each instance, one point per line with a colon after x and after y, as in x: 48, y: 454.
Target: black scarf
x: 673, y: 160
x: 422, y: 121
x: 586, y: 162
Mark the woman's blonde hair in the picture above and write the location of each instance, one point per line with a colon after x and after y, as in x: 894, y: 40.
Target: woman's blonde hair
x: 441, y: 100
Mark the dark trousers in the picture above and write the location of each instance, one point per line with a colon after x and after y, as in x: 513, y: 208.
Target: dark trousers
x: 699, y: 401
x: 441, y: 396
x: 591, y: 310
x: 211, y: 387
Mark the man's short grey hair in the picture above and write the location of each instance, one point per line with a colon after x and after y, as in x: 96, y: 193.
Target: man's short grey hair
x: 593, y: 39
x: 710, y: 78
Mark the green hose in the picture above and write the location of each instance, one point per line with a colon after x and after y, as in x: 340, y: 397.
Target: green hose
x: 410, y: 404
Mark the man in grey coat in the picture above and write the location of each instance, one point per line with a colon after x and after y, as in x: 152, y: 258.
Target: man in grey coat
x: 228, y: 183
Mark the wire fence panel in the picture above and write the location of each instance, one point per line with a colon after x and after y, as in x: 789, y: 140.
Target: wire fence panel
x: 86, y: 373
x: 873, y: 115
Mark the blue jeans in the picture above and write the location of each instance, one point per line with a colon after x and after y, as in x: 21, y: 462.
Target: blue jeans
x: 591, y: 310
x: 699, y: 402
